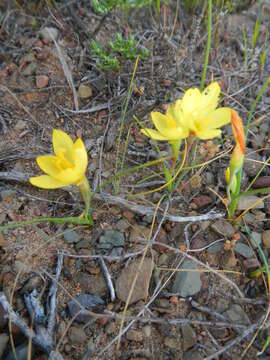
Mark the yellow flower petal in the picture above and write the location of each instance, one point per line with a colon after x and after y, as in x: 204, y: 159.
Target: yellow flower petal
x: 69, y: 176
x: 153, y: 134
x: 80, y: 158
x: 167, y: 126
x: 62, y: 144
x: 47, y: 163
x: 46, y: 182
x: 191, y: 100
x: 208, y: 134
x: 175, y: 112
x: 227, y: 175
x: 217, y: 119
x: 210, y: 97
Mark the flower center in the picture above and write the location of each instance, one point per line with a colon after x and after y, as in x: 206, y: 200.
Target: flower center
x: 61, y: 162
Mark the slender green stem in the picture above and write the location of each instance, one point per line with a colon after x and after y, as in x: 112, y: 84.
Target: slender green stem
x: 85, y: 191
x: 75, y: 220
x: 208, y: 45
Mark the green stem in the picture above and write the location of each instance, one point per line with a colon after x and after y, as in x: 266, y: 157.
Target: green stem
x: 75, y: 220
x: 85, y: 191
x: 208, y: 45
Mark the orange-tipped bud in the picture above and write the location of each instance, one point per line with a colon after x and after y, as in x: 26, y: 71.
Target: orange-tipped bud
x: 237, y: 158
x: 238, y: 131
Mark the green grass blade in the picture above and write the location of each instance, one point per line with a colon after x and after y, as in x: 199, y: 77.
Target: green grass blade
x: 208, y: 45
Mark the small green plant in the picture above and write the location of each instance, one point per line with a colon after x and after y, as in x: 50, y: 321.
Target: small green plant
x: 106, y: 6
x: 107, y: 57
x: 256, y: 31
x: 105, y: 61
x: 128, y: 48
x: 262, y: 62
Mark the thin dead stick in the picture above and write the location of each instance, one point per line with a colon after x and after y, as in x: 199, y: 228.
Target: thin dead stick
x: 145, y: 210
x: 14, y: 176
x: 66, y: 70
x: 86, y: 111
x: 52, y: 296
x: 106, y: 257
x: 206, y: 310
x: 15, y: 319
x: 107, y: 277
x: 42, y: 340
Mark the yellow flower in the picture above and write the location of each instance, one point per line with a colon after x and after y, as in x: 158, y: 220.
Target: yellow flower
x: 66, y: 167
x: 195, y: 114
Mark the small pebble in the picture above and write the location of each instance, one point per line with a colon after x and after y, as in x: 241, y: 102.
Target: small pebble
x: 42, y: 81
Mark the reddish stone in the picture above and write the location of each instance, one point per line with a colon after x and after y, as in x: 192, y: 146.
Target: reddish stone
x: 163, y: 239
x: 202, y: 201
x: 198, y: 242
x: 167, y: 82
x: 251, y: 263
x: 174, y: 300
x: 42, y: 81
x: 103, y: 321
x: 262, y: 182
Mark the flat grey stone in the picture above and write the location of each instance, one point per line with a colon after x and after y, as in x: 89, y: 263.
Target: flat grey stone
x: 192, y: 354
x: 187, y: 283
x: 215, y: 248
x: 77, y: 335
x: 4, y: 338
x: 237, y: 315
x: 189, y: 337
x: 255, y: 239
x: 72, y: 237
x: 252, y: 167
x: 243, y: 250
x: 126, y: 277
x: 110, y: 239
x: 250, y: 202
x: 30, y: 69
x: 88, y: 301
x: 21, y: 352
x: 223, y: 228
x: 49, y: 33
